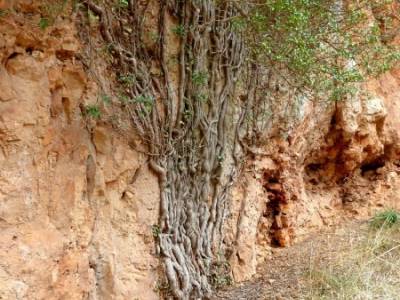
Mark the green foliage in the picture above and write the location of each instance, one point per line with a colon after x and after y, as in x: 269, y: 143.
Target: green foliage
x: 44, y: 23
x: 187, y: 114
x: 179, y: 30
x: 107, y: 49
x: 76, y: 5
x: 324, y: 47
x: 3, y: 12
x: 387, y: 218
x: 221, y: 281
x: 146, y: 101
x: 201, y: 97
x: 93, y: 18
x: 124, y: 98
x: 123, y: 3
x: 93, y: 111
x: 51, y: 11
x: 127, y: 79
x: 220, y: 273
x: 105, y: 98
x: 154, y: 36
x: 163, y: 287
x: 199, y: 78
x: 155, y: 230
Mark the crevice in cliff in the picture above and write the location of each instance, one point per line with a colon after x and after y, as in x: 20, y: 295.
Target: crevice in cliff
x: 90, y: 176
x: 275, y: 211
x: 66, y: 103
x: 373, y: 166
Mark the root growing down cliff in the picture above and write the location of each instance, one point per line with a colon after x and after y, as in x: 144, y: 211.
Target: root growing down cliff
x: 187, y: 123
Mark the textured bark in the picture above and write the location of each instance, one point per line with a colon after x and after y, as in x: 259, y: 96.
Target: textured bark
x: 193, y: 136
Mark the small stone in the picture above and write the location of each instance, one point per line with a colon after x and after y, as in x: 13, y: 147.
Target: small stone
x: 275, y: 187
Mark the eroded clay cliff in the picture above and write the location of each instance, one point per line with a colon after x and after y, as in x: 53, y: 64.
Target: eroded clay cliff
x: 334, y: 162
x: 76, y: 202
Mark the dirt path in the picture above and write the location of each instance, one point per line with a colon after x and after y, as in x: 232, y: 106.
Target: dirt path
x: 284, y: 276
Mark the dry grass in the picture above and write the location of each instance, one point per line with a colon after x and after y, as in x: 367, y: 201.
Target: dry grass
x: 367, y: 266
x: 356, y: 260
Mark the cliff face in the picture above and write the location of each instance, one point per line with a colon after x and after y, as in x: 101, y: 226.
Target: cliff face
x: 333, y: 162
x: 77, y: 202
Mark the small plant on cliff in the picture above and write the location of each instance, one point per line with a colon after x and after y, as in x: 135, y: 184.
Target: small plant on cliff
x: 146, y: 102
x: 155, y: 230
x: 199, y: 78
x: 179, y: 30
x: 3, y: 12
x: 123, y: 3
x: 387, y: 218
x: 105, y: 98
x: 93, y: 111
x: 163, y: 288
x: 127, y: 79
x: 123, y: 98
x: 50, y: 10
x: 43, y: 23
x: 221, y: 272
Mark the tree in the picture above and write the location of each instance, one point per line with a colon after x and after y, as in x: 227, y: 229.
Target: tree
x: 196, y: 128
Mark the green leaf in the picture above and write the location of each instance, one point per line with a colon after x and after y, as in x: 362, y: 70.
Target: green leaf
x: 199, y: 78
x: 179, y: 30
x: 3, y: 12
x: 93, y: 111
x: 44, y: 23
x: 123, y: 3
x: 106, y: 99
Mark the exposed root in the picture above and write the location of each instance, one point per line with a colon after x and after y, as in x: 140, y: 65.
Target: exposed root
x: 190, y: 134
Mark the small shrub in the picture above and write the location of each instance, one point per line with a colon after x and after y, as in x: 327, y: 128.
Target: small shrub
x: 51, y: 11
x: 44, y: 23
x: 387, y: 218
x: 107, y: 48
x: 93, y: 111
x: 155, y: 230
x: 106, y: 99
x: 220, y: 281
x: 127, y: 79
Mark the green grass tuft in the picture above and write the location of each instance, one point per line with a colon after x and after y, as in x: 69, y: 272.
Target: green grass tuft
x: 44, y: 23
x: 387, y: 218
x: 93, y: 111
